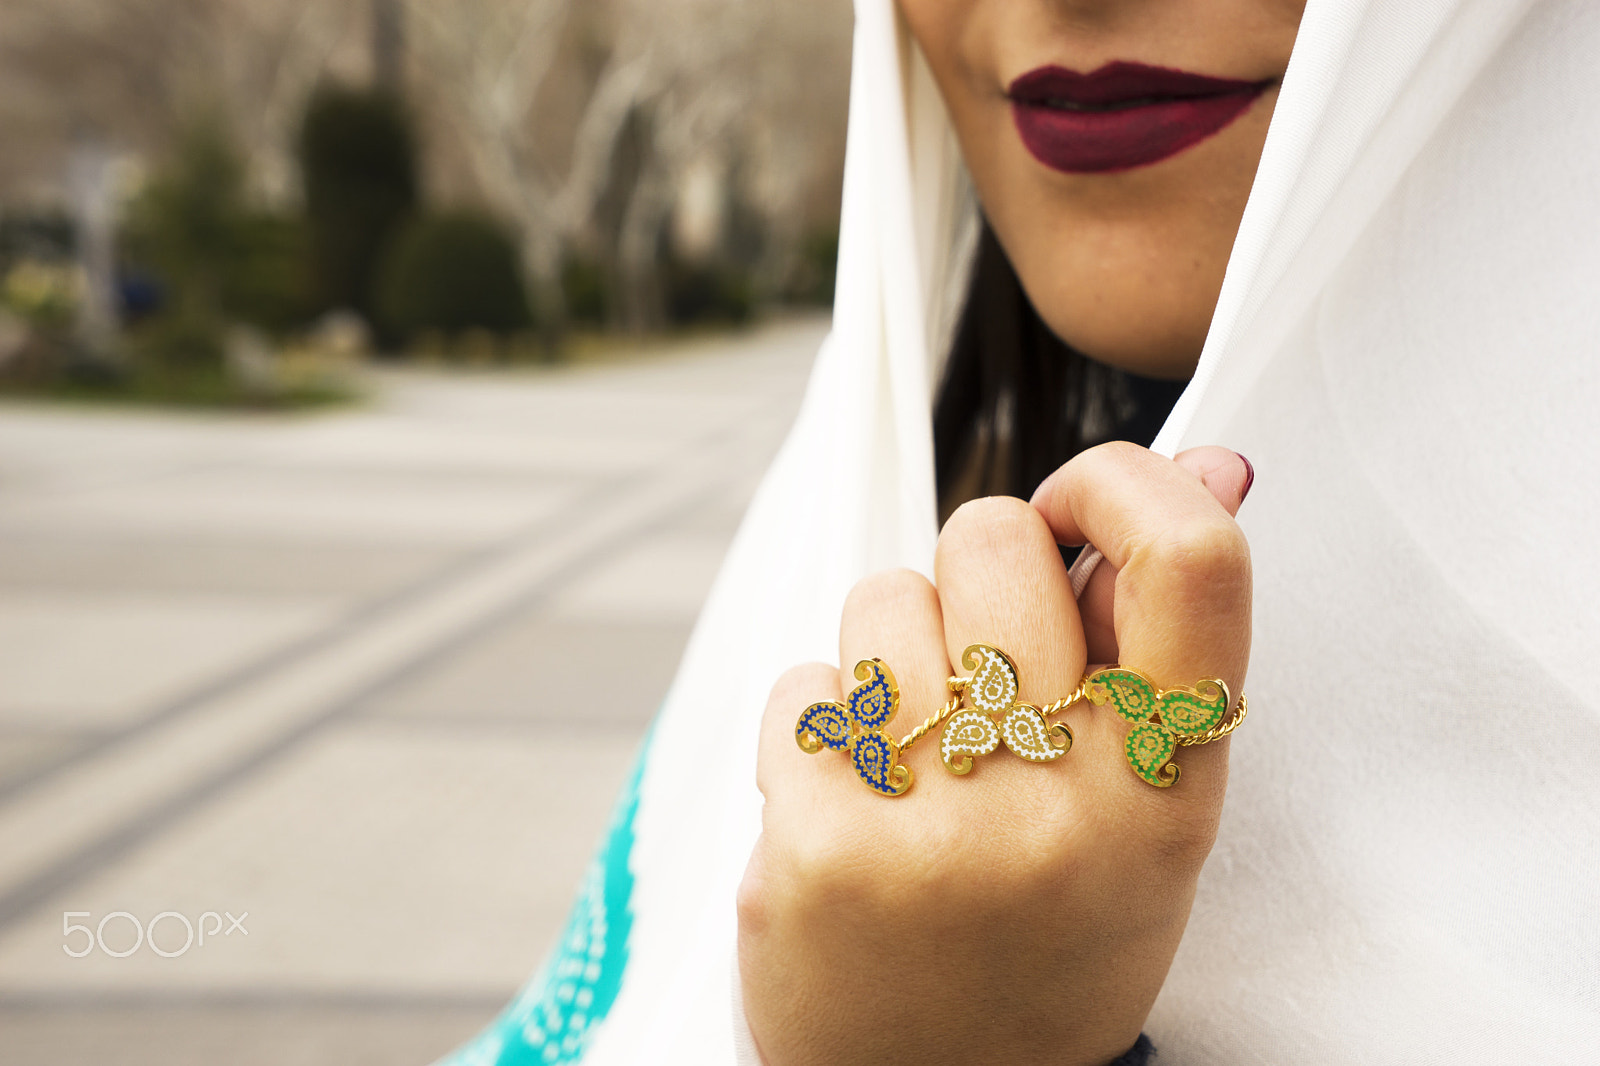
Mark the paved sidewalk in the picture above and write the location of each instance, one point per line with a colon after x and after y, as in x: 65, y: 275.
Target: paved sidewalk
x: 372, y: 677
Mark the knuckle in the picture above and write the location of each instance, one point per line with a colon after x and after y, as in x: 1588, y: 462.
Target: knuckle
x: 835, y: 871
x: 1199, y: 550
x: 801, y: 682
x: 886, y: 589
x: 1114, y: 461
x: 753, y: 901
x: 989, y: 523
x: 798, y: 688
x: 1173, y: 841
x: 1179, y: 836
x: 1117, y: 452
x: 1182, y: 843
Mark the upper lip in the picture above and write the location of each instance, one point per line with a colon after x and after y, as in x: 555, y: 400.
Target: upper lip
x: 1119, y: 85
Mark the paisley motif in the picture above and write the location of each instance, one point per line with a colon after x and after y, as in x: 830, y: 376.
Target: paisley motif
x: 823, y: 724
x: 1129, y: 694
x: 873, y: 702
x: 966, y: 734
x: 1149, y: 747
x: 993, y: 687
x: 1026, y: 733
x: 874, y: 756
x: 1160, y: 718
x: 856, y: 725
x: 1192, y: 713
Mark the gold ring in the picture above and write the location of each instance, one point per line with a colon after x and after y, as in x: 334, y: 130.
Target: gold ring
x: 856, y: 726
x: 996, y: 715
x: 1163, y: 719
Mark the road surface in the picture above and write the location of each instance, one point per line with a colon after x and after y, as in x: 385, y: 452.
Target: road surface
x: 347, y: 693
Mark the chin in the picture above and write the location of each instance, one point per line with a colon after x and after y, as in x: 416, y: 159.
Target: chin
x: 1145, y: 342
x: 1136, y: 293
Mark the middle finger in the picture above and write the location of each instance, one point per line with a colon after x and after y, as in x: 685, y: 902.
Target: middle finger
x: 1002, y: 582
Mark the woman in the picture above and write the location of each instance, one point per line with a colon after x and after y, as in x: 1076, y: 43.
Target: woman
x: 1402, y: 341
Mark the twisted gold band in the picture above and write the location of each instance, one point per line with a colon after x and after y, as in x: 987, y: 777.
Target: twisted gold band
x: 1218, y: 732
x: 956, y: 685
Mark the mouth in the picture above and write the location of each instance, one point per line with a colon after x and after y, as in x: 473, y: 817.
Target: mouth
x: 1123, y: 115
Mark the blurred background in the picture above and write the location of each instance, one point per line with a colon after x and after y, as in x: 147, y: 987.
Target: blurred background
x: 381, y: 383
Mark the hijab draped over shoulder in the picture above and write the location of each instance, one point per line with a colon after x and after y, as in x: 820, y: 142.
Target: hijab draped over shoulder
x: 1407, y: 346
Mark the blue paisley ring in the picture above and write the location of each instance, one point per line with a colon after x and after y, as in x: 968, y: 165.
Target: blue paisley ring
x: 858, y: 726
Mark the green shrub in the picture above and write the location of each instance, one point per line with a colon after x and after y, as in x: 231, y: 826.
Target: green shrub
x: 46, y: 235
x: 42, y: 294
x: 452, y: 272
x: 707, y: 293
x: 358, y: 159
x: 266, y: 283
x: 813, y: 279
x: 218, y: 259
x: 220, y: 262
x: 586, y: 291
x: 177, y: 347
x: 187, y: 226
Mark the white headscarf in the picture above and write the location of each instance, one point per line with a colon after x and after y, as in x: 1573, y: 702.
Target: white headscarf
x: 1406, y: 346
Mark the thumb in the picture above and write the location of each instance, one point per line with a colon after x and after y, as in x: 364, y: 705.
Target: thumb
x: 1227, y: 475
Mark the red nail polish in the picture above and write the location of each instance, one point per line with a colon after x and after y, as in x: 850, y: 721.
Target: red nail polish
x: 1249, y: 476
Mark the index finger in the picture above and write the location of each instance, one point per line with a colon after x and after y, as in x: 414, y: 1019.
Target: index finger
x: 1183, y: 566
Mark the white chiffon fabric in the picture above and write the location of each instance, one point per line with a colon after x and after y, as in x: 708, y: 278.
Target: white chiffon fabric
x: 1407, y: 346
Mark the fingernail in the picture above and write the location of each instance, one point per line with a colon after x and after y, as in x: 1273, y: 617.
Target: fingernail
x: 1249, y: 476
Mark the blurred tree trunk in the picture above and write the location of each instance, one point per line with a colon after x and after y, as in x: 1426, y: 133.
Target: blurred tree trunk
x: 388, y: 45
x: 643, y: 298
x: 492, y: 59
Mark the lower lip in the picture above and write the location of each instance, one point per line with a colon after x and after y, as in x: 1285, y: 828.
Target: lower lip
x: 1100, y: 142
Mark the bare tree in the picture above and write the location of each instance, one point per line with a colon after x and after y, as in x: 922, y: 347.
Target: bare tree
x: 580, y: 121
x: 136, y: 70
x: 696, y: 76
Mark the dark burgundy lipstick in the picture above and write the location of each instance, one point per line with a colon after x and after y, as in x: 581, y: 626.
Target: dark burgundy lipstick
x: 1123, y: 115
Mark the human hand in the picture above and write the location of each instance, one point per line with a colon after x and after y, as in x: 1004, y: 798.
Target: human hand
x: 1024, y: 913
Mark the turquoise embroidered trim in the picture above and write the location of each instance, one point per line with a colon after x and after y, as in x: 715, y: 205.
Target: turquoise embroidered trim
x: 550, y: 1021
